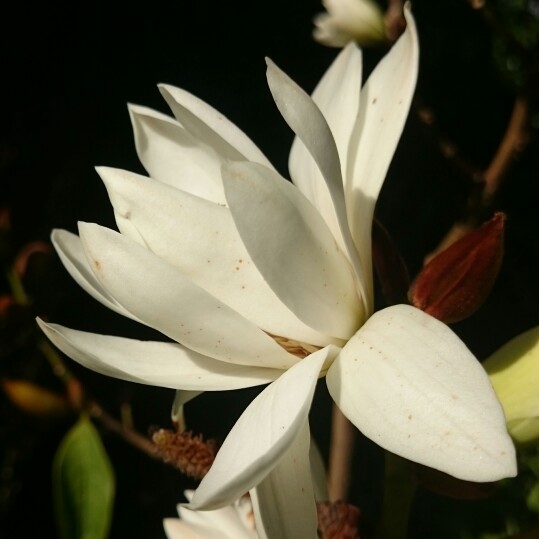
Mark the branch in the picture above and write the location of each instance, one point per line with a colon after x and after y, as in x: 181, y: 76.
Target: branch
x: 480, y: 203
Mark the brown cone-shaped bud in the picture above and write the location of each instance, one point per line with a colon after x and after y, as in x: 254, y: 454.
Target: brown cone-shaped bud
x: 455, y: 283
x: 338, y: 520
x: 390, y: 267
x: 33, y: 399
x: 191, y: 454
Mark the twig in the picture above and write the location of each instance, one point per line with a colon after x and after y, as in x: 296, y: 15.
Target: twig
x: 340, y: 455
x: 94, y: 409
x: 480, y: 203
x: 128, y: 434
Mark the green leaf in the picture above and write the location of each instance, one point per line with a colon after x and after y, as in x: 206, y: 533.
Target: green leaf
x: 83, y: 484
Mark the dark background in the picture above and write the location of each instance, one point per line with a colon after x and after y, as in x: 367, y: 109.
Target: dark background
x: 68, y: 70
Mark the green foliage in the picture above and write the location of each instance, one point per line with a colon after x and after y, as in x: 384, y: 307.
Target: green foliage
x: 83, y: 484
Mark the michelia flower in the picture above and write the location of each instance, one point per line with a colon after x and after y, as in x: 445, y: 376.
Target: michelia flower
x: 349, y: 20
x: 258, y: 280
x: 514, y: 373
x: 232, y: 522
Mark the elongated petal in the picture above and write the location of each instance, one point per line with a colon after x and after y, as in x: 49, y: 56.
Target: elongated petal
x: 262, y: 435
x: 176, y: 529
x: 201, y: 240
x: 224, y: 522
x: 173, y: 156
x: 163, y: 298
x: 385, y: 102
x: 408, y: 383
x: 283, y: 503
x: 306, y: 120
x: 318, y: 472
x: 293, y: 249
x: 211, y: 127
x: 71, y: 253
x: 514, y: 373
x: 181, y: 398
x: 154, y: 363
x: 337, y: 97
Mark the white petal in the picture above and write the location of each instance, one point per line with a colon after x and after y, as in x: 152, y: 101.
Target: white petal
x: 337, y: 97
x: 210, y: 126
x: 71, y: 253
x: 283, y: 503
x: 163, y: 298
x: 181, y: 398
x: 293, y: 249
x: 200, y: 239
x: 262, y: 435
x: 408, y: 382
x: 154, y: 363
x: 176, y: 529
x: 172, y: 155
x: 306, y: 120
x: 318, y: 472
x: 225, y: 522
x: 385, y: 102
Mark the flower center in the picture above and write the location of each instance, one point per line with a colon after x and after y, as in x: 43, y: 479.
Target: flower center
x: 297, y: 348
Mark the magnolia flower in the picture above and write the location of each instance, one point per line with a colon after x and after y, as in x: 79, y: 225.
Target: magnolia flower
x: 232, y: 522
x: 514, y: 373
x: 349, y: 20
x: 259, y: 280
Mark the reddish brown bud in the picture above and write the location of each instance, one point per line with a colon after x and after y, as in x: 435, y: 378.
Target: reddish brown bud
x: 338, y: 520
x: 33, y: 399
x: 456, y: 282
x: 191, y: 454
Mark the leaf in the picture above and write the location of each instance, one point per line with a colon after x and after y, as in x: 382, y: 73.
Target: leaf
x: 83, y: 484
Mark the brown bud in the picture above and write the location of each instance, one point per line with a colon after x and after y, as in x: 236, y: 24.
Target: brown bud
x: 191, y: 454
x: 338, y: 520
x: 456, y: 282
x: 33, y: 399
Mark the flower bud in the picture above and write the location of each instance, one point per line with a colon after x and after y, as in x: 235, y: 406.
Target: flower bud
x: 349, y: 20
x: 33, y: 399
x: 514, y: 374
x: 456, y: 282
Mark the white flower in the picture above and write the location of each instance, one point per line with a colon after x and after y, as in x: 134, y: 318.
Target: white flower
x: 234, y: 521
x: 258, y: 280
x: 349, y: 20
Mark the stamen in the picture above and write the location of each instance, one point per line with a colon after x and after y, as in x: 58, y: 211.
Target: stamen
x: 299, y: 349
x: 338, y: 520
x: 191, y: 454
